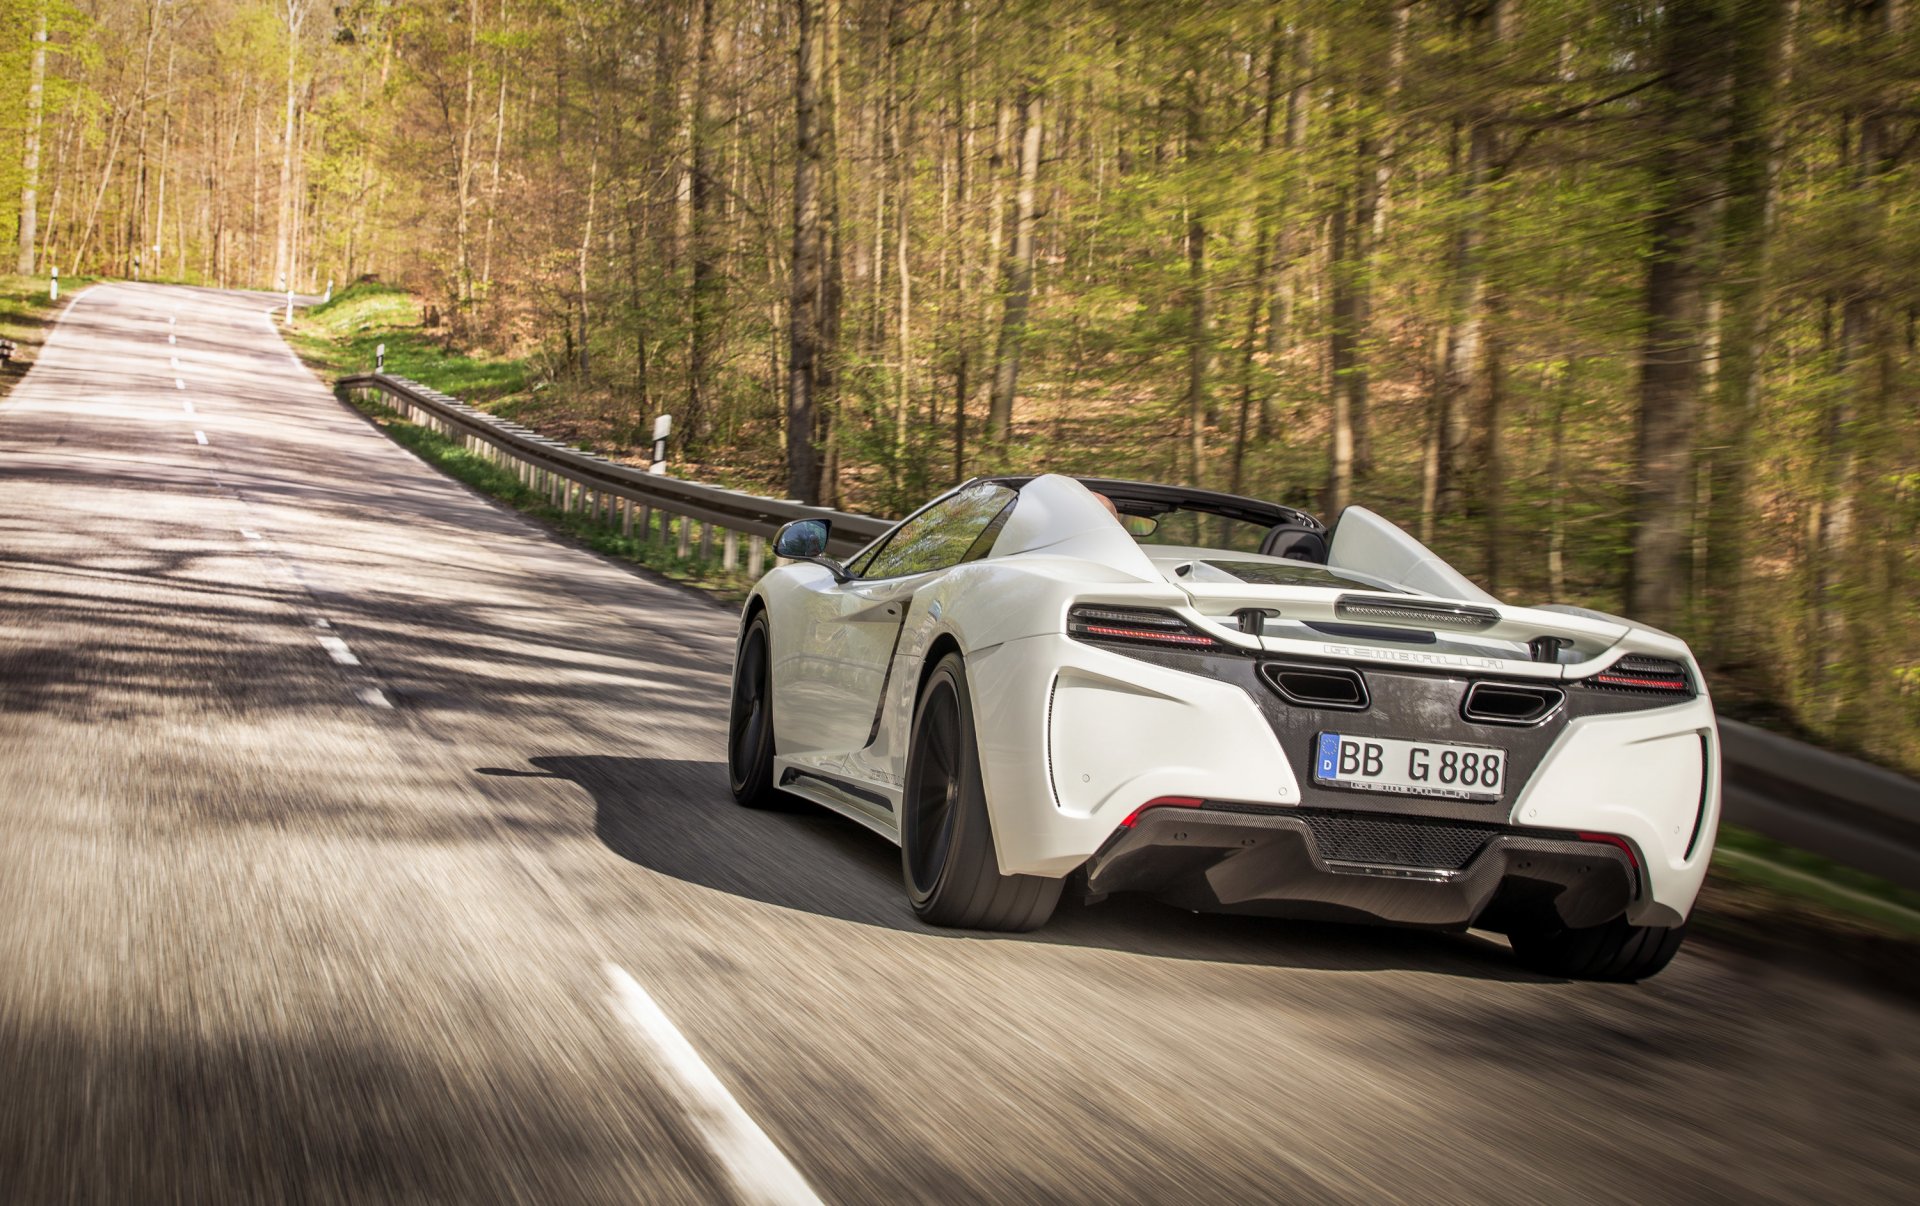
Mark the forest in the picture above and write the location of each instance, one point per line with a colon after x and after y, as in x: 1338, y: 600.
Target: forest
x: 1614, y: 302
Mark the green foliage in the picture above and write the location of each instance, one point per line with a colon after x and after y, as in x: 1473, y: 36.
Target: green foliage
x: 343, y: 335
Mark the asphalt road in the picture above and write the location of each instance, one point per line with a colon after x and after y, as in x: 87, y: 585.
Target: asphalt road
x: 342, y: 815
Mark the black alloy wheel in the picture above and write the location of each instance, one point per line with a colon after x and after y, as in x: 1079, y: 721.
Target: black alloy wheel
x: 946, y: 839
x: 750, y: 721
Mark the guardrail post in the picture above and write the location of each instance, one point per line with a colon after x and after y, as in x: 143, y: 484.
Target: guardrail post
x: 626, y: 517
x: 646, y: 522
x: 706, y: 543
x: 730, y: 551
x: 685, y: 549
x: 756, y: 556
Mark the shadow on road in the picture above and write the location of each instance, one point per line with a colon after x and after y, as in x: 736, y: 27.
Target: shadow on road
x: 676, y: 817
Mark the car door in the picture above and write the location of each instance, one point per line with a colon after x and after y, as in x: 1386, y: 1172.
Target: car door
x: 830, y: 698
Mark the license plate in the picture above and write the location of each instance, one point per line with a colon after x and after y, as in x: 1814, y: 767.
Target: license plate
x: 1410, y: 768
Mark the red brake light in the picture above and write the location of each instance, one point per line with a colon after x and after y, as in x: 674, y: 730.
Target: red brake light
x: 1161, y: 802
x: 1612, y: 840
x: 1146, y: 625
x: 1636, y: 673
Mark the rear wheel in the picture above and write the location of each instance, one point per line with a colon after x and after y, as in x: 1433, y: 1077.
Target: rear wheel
x: 1615, y: 950
x: 946, y: 840
x: 750, y: 721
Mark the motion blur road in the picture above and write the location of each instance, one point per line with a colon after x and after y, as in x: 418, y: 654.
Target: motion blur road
x: 344, y: 814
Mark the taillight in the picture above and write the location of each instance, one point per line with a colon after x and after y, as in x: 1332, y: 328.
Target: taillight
x: 1633, y: 860
x: 1143, y: 625
x: 1162, y: 802
x: 1636, y: 673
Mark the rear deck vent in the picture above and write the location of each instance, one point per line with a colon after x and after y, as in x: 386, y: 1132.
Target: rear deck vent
x: 1510, y: 703
x: 1306, y: 686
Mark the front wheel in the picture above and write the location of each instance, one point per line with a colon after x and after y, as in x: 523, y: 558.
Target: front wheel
x: 1615, y: 950
x: 750, y: 721
x: 946, y: 840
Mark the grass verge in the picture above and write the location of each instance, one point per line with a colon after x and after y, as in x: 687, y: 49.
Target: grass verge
x: 453, y: 459
x: 341, y: 337
x: 26, y: 315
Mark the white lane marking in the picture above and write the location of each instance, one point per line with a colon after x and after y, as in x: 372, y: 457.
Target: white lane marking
x: 338, y: 651
x: 759, y: 1171
x: 173, y: 362
x: 200, y: 437
x: 179, y: 384
x: 170, y: 339
x: 189, y: 406
x: 321, y: 623
x: 372, y: 697
x: 249, y: 535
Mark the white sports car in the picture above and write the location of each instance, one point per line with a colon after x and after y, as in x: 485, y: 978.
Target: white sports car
x: 1039, y: 682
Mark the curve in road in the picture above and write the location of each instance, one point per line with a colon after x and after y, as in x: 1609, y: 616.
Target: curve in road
x: 332, y: 792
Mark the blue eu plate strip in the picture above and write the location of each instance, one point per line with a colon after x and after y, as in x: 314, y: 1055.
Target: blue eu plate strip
x: 1329, y: 756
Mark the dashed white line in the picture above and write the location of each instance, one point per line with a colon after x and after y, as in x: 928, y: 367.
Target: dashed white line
x: 759, y: 1170
x: 173, y: 362
x: 321, y: 622
x: 249, y: 535
x: 188, y: 406
x: 373, y: 697
x: 338, y: 651
x: 200, y: 437
x: 179, y: 384
x: 170, y: 339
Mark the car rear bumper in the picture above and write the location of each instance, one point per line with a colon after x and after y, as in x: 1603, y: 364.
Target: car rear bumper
x: 1333, y: 866
x: 1074, y: 737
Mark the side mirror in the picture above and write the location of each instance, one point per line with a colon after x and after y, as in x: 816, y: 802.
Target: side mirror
x: 802, y: 540
x: 806, y: 540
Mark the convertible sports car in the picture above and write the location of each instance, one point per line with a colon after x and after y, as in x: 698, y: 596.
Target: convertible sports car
x: 1034, y: 684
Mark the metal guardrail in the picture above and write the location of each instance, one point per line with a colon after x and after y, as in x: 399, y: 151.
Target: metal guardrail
x: 682, y: 514
x: 1833, y: 805
x: 1850, y: 811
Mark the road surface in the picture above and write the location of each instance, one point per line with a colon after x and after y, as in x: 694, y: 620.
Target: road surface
x: 359, y: 842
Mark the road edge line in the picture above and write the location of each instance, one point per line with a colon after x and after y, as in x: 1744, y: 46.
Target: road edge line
x: 758, y: 1170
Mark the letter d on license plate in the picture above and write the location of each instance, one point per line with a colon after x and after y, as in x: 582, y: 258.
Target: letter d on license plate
x: 1410, y: 768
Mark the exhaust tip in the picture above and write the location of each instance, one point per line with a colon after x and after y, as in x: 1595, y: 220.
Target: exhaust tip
x: 1511, y: 703
x: 1318, y: 686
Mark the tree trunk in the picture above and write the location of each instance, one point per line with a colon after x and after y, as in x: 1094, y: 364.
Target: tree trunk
x: 1199, y: 351
x: 1669, y: 373
x: 30, y: 157
x: 294, y: 15
x: 809, y: 356
x: 705, y: 292
x: 1017, y: 277
x: 1746, y: 228
x: 1259, y: 293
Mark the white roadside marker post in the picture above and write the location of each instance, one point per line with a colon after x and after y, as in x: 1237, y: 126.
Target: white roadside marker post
x: 379, y: 357
x: 289, y: 307
x: 53, y: 287
x: 662, y: 428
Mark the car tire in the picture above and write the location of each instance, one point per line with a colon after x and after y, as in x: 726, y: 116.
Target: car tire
x: 1616, y: 950
x: 946, y: 839
x: 750, y: 721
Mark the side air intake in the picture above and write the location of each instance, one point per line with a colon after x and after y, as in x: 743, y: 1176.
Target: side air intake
x: 1511, y: 703
x: 1306, y: 686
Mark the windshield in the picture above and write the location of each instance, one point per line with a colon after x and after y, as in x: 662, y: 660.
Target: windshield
x: 1194, y: 529
x: 1293, y: 573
